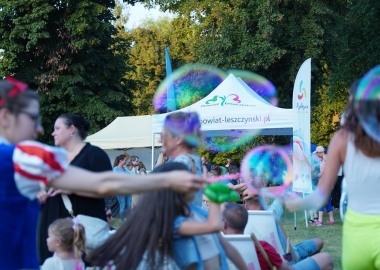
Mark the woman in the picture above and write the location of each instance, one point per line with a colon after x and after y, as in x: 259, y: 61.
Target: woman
x: 70, y: 131
x: 124, y: 201
x: 141, y: 169
x: 359, y: 153
x: 181, y: 134
x: 27, y: 166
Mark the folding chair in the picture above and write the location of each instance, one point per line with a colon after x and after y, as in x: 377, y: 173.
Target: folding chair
x: 265, y: 227
x: 246, y: 248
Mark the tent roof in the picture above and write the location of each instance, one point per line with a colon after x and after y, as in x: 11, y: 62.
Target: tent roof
x: 125, y: 132
x: 234, y: 107
x: 229, y: 110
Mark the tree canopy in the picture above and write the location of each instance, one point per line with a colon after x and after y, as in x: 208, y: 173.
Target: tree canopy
x: 80, y: 58
x: 69, y: 52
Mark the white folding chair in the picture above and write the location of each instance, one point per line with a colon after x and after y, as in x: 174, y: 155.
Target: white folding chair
x: 246, y: 247
x: 263, y: 225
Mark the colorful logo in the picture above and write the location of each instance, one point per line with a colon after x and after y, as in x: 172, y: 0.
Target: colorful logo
x: 230, y: 98
x: 302, y: 91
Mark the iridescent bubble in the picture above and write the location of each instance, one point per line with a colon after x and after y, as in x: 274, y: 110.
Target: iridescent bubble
x: 267, y: 169
x: 367, y: 103
x: 228, y: 140
x: 185, y: 86
x: 262, y: 88
x: 191, y: 83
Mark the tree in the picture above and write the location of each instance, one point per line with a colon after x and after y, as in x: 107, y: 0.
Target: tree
x: 148, y: 58
x: 325, y: 116
x: 273, y: 38
x: 356, y: 46
x: 68, y: 51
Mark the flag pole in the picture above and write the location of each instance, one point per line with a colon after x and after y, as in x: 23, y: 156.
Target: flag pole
x: 170, y: 100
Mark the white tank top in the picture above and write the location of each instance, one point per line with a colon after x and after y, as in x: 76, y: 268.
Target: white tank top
x: 362, y: 174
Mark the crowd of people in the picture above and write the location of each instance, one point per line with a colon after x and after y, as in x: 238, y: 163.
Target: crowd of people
x: 168, y: 223
x: 27, y: 167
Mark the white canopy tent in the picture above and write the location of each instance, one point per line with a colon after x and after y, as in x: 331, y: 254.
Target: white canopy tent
x: 125, y: 132
x: 129, y: 132
x: 234, y: 108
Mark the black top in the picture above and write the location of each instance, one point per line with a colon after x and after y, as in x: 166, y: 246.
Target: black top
x: 91, y: 158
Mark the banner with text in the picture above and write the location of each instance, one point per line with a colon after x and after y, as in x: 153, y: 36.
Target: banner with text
x: 233, y: 105
x: 301, y: 129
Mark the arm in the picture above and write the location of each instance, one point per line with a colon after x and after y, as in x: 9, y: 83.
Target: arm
x: 111, y: 183
x: 233, y: 254
x: 337, y: 153
x: 213, y: 223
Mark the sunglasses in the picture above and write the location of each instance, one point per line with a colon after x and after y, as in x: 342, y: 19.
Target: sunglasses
x: 35, y: 117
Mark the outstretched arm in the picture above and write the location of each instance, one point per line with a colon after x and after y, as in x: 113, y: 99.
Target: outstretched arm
x: 111, y: 183
x: 337, y: 153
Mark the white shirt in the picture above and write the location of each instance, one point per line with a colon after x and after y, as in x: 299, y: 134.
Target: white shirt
x: 362, y: 174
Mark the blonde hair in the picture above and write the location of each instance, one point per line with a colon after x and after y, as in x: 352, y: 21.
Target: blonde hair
x: 71, y: 234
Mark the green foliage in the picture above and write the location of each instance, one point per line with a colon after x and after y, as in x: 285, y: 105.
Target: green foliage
x: 148, y: 58
x: 68, y: 51
x: 82, y: 60
x: 357, y: 47
x: 237, y: 153
x: 325, y: 116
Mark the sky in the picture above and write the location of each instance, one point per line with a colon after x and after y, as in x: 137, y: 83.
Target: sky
x: 139, y: 14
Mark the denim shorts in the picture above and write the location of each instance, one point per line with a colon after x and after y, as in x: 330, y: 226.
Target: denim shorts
x: 305, y: 249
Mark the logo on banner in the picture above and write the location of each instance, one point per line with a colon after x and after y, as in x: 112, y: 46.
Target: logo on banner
x: 302, y: 91
x: 231, y: 99
x: 301, y: 96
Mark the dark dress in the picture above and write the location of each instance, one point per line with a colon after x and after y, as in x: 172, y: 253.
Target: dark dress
x: 91, y: 158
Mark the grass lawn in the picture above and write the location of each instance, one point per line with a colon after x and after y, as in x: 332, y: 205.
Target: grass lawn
x: 331, y: 234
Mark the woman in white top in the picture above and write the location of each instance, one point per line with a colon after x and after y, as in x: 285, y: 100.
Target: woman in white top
x: 359, y: 153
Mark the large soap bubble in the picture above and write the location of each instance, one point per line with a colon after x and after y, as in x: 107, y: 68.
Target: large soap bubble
x: 367, y: 103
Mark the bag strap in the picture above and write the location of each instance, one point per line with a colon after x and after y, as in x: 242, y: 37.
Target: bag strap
x: 192, y: 164
x: 68, y: 204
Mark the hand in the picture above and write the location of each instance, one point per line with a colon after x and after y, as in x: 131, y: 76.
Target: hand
x: 53, y: 192
x: 249, y: 194
x: 182, y: 181
x: 238, y: 188
x: 42, y: 196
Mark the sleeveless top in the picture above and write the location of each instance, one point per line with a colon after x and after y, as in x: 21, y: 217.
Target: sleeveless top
x: 362, y: 174
x: 24, y: 169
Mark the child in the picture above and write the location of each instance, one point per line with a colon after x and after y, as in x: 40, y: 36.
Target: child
x: 166, y: 232
x: 67, y: 240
